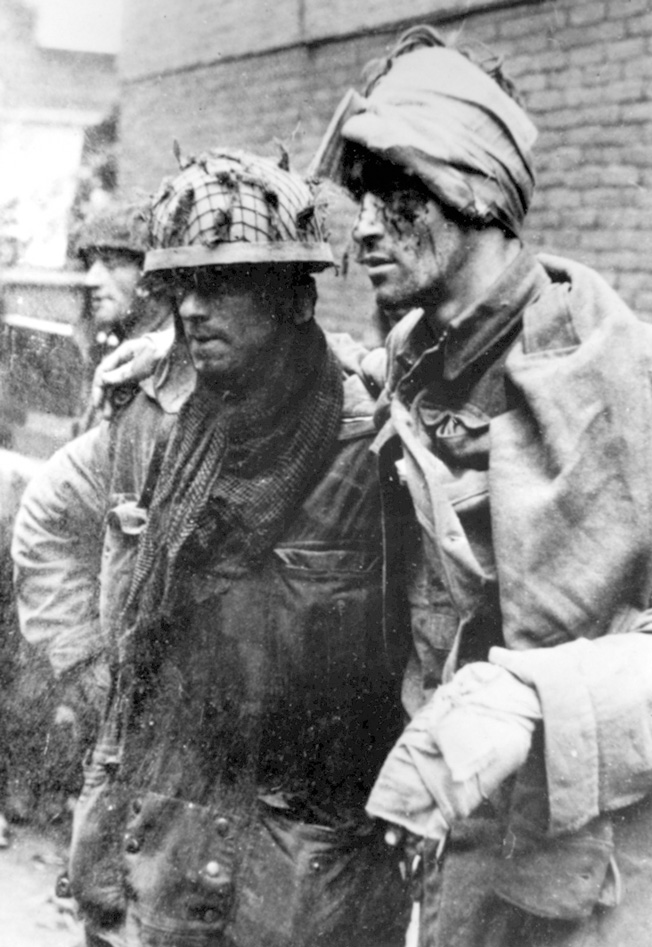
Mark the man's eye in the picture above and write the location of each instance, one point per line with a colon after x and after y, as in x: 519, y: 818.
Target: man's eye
x: 179, y: 290
x: 112, y: 260
x: 407, y: 205
x: 179, y: 283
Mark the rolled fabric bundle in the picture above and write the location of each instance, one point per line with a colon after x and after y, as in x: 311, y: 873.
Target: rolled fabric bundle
x: 458, y: 749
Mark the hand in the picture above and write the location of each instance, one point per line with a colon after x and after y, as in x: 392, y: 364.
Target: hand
x: 132, y: 362
x: 456, y: 752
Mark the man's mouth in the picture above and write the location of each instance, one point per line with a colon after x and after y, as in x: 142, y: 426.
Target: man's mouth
x: 377, y: 266
x: 375, y: 261
x: 201, y: 339
x: 98, y: 301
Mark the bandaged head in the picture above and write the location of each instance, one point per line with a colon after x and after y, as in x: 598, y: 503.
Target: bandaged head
x: 439, y: 117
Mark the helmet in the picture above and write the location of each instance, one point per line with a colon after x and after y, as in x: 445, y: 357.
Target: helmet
x: 228, y: 207
x: 114, y: 227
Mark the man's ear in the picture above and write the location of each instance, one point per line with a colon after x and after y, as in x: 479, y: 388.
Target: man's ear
x: 305, y: 300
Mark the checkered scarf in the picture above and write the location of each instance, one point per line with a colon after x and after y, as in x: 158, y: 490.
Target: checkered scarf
x: 231, y: 477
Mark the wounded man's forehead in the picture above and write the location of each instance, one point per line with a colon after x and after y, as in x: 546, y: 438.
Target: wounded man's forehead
x: 365, y: 172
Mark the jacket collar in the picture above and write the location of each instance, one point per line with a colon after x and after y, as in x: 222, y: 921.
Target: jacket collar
x: 485, y: 324
x: 475, y: 331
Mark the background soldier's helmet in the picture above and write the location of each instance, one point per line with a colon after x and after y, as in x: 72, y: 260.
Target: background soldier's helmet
x: 229, y: 207
x: 116, y: 226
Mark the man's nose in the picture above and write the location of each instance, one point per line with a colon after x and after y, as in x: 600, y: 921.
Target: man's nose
x: 95, y: 275
x: 193, y: 306
x: 370, y: 222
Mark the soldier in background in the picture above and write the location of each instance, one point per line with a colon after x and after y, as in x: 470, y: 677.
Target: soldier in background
x: 121, y: 305
x: 47, y: 723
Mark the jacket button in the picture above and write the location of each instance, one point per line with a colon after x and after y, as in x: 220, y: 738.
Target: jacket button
x: 315, y: 865
x: 212, y: 869
x: 222, y: 825
x: 132, y: 845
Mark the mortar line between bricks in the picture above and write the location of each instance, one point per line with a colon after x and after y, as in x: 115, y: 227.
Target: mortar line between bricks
x: 389, y: 27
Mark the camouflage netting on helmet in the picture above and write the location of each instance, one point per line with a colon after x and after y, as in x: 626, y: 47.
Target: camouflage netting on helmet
x: 227, y: 207
x: 116, y: 226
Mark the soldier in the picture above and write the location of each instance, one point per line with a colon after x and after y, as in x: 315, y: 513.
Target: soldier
x: 254, y: 680
x: 517, y: 417
x: 111, y: 244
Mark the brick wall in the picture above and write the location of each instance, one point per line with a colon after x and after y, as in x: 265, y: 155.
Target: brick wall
x: 247, y: 73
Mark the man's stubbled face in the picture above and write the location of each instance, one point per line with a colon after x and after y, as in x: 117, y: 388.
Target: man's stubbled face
x: 410, y: 248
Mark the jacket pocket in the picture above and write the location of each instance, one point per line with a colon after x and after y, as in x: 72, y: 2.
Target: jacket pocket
x: 561, y: 877
x: 319, y: 560
x: 305, y: 884
x: 178, y: 860
x: 326, y: 612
